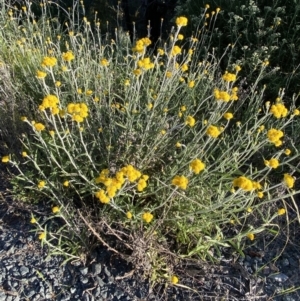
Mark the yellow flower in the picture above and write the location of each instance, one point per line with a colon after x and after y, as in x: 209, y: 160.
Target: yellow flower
x: 129, y: 215
x: 102, y: 197
x: 104, y: 62
x: 141, y: 185
x: 196, y: 166
x: 50, y: 101
x: 39, y: 127
x: 243, y: 183
x: 180, y: 37
x: 33, y: 220
x: 180, y: 181
x: 24, y: 154
x: 181, y: 21
x: 89, y: 92
x: 183, y: 108
x: 191, y: 84
x: 163, y: 132
x: 190, y: 120
x: 281, y: 211
x: 57, y: 84
x: 137, y: 72
x: 127, y: 82
x: 287, y: 152
x: 149, y: 106
x: 66, y: 183
x: 260, y: 194
x: 288, y: 180
x: 41, y: 74
x: 218, y: 9
x: 5, y: 159
x: 160, y: 51
x: 178, y: 144
x: 175, y: 50
x: 272, y: 163
x: 228, y: 116
x: 68, y: 56
x: 49, y: 61
x: 296, y: 112
x: 222, y: 95
x: 174, y: 279
x: 274, y: 136
x: 250, y: 236
x: 42, y: 236
x: 41, y: 184
x: 279, y: 110
x: 237, y: 68
x: 147, y: 217
x: 184, y: 67
x: 168, y: 74
x: 145, y: 63
x: 213, y: 131
x: 64, y: 68
x: 55, y: 209
x: 229, y: 77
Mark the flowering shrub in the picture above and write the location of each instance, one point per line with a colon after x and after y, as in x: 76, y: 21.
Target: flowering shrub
x: 126, y: 140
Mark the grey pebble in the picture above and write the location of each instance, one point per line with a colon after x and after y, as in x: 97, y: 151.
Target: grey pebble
x: 107, y: 272
x: 285, y: 262
x: 96, y: 268
x: 279, y: 277
x: 99, y: 281
x: 84, y: 271
x: 24, y: 270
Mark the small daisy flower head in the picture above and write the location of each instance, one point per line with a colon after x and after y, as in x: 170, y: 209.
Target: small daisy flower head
x: 190, y: 121
x: 42, y: 236
x: 197, y: 166
x: 55, y: 209
x: 228, y: 116
x: 181, y: 21
x: 5, y: 159
x: 129, y: 215
x: 251, y: 236
x: 288, y: 180
x: 174, y: 279
x: 281, y: 211
x: 180, y: 181
x: 272, y: 163
x: 287, y: 151
x: 213, y: 131
x: 39, y: 127
x: 40, y: 74
x: 41, y: 184
x: 33, y: 220
x: 147, y: 217
x: 68, y: 56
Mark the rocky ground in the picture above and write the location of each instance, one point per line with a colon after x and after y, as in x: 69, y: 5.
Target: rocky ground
x: 26, y: 273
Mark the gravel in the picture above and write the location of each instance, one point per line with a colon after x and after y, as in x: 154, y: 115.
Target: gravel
x: 27, y: 273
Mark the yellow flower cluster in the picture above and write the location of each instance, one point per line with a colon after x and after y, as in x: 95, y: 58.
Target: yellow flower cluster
x: 190, y: 120
x: 213, y: 131
x: 5, y: 159
x: 145, y: 63
x: 147, y: 217
x: 79, y: 111
x: 272, y: 163
x: 247, y: 184
x: 41, y: 74
x: 50, y: 101
x: 141, y: 45
x: 113, y: 184
x: 228, y: 115
x: 180, y: 181
x: 225, y: 96
x: 68, y: 56
x: 49, y: 61
x: 279, y: 110
x: 104, y: 62
x: 39, y: 127
x: 274, y: 136
x: 175, y: 50
x: 181, y: 21
x: 288, y: 180
x: 197, y: 166
x: 229, y: 77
